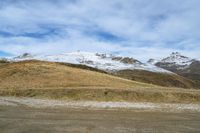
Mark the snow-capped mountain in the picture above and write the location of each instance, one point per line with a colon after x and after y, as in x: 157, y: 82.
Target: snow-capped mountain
x: 178, y: 59
x: 174, y: 62
x: 107, y: 62
x: 174, y: 58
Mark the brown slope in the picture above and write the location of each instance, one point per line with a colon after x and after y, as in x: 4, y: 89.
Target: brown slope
x: 38, y: 74
x: 191, y: 72
x: 162, y: 79
x: 55, y: 80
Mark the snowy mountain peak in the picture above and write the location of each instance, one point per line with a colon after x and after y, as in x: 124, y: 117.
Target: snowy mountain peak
x: 177, y: 59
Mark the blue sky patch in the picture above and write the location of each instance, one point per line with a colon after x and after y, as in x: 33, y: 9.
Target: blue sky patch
x: 4, y: 54
x: 104, y: 36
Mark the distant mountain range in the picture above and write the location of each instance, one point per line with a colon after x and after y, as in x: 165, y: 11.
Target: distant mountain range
x: 107, y: 62
x: 175, y: 70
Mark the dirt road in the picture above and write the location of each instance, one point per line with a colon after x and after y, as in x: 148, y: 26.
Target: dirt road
x: 18, y: 119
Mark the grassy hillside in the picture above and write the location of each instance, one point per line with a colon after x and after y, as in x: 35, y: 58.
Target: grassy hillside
x: 38, y: 74
x: 191, y: 72
x: 83, y: 67
x: 162, y: 79
x: 64, y: 81
x: 183, y: 80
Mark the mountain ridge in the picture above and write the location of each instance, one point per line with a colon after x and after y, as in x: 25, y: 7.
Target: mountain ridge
x: 107, y: 62
x: 174, y: 59
x: 124, y: 67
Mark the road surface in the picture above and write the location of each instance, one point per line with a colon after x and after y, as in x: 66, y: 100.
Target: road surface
x: 19, y: 119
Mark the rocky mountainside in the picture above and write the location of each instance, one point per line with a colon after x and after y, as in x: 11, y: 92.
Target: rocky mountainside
x: 182, y: 65
x: 178, y: 59
x: 175, y: 61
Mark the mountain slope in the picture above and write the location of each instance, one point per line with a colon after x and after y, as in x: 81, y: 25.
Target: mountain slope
x: 174, y: 62
x: 162, y: 79
x: 178, y: 59
x: 182, y: 65
x: 59, y: 81
x: 191, y: 72
x: 38, y: 74
x: 117, y: 65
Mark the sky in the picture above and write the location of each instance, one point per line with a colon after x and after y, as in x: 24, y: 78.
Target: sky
x: 141, y: 29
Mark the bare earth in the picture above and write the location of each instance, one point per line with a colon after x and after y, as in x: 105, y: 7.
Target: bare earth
x: 18, y: 117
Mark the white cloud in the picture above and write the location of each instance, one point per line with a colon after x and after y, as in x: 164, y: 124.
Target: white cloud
x: 148, y: 28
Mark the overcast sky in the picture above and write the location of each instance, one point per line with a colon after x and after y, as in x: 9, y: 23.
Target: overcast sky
x: 139, y: 28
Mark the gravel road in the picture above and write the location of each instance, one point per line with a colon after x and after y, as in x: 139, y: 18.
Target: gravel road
x: 34, y: 116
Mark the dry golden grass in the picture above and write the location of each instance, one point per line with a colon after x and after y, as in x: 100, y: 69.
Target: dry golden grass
x: 55, y: 80
x: 37, y: 74
x: 134, y: 95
